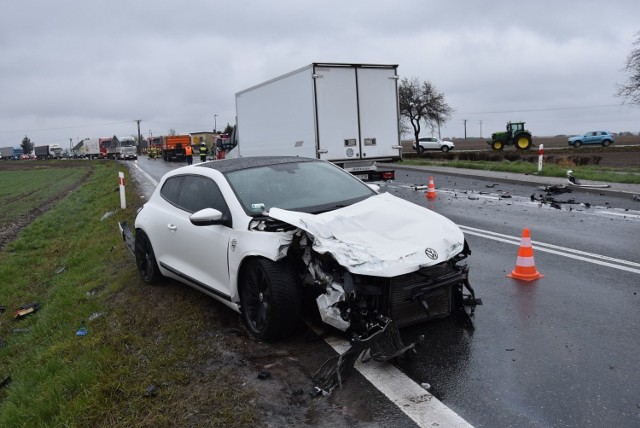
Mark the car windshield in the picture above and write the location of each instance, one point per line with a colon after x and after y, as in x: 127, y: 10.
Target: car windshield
x: 297, y: 186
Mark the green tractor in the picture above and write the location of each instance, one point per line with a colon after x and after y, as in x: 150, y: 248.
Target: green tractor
x: 515, y: 135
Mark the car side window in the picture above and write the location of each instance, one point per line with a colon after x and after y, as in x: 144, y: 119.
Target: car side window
x: 171, y: 190
x: 198, y: 193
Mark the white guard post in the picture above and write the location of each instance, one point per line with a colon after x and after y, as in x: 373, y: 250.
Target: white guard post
x: 540, y: 156
x: 123, y: 199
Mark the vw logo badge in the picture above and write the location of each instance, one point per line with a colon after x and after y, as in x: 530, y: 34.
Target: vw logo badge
x: 431, y: 253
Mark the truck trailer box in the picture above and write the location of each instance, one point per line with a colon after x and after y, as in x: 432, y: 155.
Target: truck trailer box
x: 42, y: 152
x: 6, y: 152
x: 90, y: 148
x: 344, y: 113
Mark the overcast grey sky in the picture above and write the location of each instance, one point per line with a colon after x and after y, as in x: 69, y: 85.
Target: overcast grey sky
x: 77, y: 69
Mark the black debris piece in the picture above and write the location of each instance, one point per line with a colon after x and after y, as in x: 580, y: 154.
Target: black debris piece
x: 380, y: 343
x: 151, y: 391
x: 2, y: 309
x: 6, y: 382
x: 556, y: 188
x: 25, y: 310
x: 264, y: 374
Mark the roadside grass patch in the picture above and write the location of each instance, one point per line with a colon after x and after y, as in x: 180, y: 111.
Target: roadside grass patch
x: 584, y: 171
x: 146, y: 360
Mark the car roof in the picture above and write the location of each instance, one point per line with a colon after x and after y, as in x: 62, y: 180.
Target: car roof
x: 229, y: 165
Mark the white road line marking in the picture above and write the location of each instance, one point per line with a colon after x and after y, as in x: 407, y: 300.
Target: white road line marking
x: 151, y: 180
x: 619, y: 214
x: 413, y: 400
x: 598, y: 259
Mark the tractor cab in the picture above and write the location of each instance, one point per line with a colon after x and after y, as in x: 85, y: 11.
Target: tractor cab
x: 515, y: 127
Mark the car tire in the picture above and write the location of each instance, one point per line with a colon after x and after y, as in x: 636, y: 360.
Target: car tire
x: 577, y: 144
x: 606, y: 143
x: 444, y: 149
x: 420, y: 149
x: 146, y: 259
x: 269, y: 298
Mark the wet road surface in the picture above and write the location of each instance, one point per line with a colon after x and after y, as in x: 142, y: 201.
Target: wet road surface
x: 559, y: 351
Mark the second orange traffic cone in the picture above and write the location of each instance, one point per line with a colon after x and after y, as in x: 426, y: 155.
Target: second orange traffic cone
x: 525, y: 265
x: 431, y: 189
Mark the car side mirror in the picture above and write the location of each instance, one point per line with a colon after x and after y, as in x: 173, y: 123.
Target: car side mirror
x: 208, y: 217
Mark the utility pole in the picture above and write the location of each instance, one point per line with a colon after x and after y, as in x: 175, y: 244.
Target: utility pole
x: 480, y: 129
x: 70, y: 144
x: 139, y: 137
x: 465, y: 128
x: 215, y: 123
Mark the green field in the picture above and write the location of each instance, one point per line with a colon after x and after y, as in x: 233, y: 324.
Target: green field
x: 141, y: 363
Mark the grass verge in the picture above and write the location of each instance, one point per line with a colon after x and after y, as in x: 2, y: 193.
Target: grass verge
x: 586, y: 172
x: 148, y: 358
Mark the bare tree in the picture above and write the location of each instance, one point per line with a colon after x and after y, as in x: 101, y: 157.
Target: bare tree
x: 631, y: 89
x: 421, y: 103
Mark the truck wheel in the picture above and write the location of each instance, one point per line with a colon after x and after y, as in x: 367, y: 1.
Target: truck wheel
x: 444, y: 149
x: 146, y: 259
x: 269, y: 298
x: 523, y: 142
x: 497, y: 145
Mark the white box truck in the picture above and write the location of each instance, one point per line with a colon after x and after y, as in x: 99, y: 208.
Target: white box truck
x: 344, y: 113
x: 87, y: 148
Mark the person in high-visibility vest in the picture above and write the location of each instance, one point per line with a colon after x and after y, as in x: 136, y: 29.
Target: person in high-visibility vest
x: 203, y: 152
x: 188, y: 152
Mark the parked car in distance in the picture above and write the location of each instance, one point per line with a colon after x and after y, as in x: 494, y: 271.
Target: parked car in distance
x: 603, y: 138
x: 271, y: 237
x: 432, y: 143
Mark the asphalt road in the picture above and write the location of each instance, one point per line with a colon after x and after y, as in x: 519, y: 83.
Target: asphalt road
x: 559, y: 351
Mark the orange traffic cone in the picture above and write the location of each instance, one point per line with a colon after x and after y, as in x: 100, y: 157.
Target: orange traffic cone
x: 431, y: 189
x: 525, y: 266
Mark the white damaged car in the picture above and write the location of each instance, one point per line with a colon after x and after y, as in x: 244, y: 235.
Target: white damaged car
x: 267, y: 235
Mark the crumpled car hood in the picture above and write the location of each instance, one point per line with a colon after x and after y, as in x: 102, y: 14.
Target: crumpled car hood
x: 381, y: 236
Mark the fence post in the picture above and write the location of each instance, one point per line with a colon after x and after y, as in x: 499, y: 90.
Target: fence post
x: 540, y: 156
x: 123, y: 200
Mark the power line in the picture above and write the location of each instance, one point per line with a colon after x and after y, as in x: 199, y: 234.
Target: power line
x: 64, y: 127
x: 546, y: 109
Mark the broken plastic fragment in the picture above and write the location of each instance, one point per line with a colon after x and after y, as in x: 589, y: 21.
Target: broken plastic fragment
x: 6, y: 382
x: 82, y: 331
x: 106, y: 215
x: 381, y: 343
x: 95, y: 315
x: 25, y: 310
x: 329, y: 313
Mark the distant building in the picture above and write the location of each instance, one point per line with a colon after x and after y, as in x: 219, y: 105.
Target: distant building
x: 207, y: 137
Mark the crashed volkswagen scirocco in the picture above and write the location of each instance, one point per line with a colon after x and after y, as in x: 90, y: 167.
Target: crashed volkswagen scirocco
x: 268, y: 236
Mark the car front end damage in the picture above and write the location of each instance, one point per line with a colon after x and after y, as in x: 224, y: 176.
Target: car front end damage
x: 362, y: 286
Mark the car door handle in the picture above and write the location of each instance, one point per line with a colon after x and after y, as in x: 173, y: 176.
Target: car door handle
x: 172, y: 227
